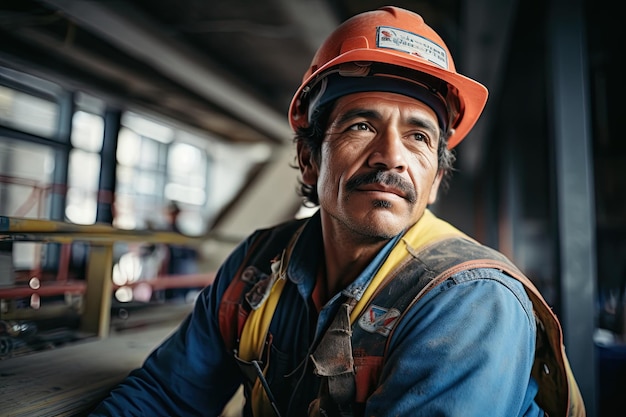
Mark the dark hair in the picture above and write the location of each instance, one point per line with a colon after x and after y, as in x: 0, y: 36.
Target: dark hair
x: 313, y: 135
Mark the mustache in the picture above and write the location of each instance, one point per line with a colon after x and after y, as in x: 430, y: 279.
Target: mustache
x: 388, y: 178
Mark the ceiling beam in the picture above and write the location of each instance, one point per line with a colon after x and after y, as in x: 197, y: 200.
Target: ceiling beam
x: 314, y: 20
x: 138, y: 37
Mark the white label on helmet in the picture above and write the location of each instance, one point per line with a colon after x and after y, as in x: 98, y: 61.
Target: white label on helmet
x: 401, y: 40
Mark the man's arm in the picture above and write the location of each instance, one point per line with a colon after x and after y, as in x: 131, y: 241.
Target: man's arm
x: 190, y: 373
x: 465, y: 349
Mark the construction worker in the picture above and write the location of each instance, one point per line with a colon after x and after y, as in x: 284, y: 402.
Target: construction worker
x: 373, y: 306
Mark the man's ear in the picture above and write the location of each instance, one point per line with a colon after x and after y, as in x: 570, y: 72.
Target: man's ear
x: 308, y: 165
x: 434, y: 189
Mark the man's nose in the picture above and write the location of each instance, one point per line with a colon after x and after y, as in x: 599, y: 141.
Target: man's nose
x: 388, y: 152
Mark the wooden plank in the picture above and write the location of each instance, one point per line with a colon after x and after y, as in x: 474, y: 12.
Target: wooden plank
x: 70, y: 380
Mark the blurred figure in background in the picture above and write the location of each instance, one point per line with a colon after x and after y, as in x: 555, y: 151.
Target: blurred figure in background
x: 180, y: 259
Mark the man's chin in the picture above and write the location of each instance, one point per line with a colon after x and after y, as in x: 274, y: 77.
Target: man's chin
x: 381, y: 224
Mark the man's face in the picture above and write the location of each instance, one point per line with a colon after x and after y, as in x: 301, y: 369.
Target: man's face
x: 378, y: 168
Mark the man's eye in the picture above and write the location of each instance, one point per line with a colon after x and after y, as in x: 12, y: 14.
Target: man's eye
x: 420, y: 137
x: 359, y: 126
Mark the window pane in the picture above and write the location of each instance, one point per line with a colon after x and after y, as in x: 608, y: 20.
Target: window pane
x: 149, y: 154
x: 187, y: 179
x: 148, y: 128
x: 25, y: 178
x: 81, y: 206
x: 128, y: 146
x: 125, y: 214
x: 124, y: 176
x: 185, y: 194
x: 141, y: 171
x: 186, y: 167
x: 184, y: 159
x: 87, y: 131
x: 28, y: 113
x: 146, y: 183
x: 82, y: 181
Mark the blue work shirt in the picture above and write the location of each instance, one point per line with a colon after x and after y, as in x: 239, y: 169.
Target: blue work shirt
x: 465, y: 349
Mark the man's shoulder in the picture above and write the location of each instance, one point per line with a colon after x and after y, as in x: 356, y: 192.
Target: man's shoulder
x: 493, y: 276
x: 468, y: 260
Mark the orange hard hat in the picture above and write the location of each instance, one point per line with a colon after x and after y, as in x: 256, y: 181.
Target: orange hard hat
x: 390, y: 49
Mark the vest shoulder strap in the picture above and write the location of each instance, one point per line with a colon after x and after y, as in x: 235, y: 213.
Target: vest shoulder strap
x: 430, y: 266
x: 253, y: 272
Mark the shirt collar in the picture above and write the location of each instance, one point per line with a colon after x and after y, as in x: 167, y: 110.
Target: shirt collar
x: 306, y: 255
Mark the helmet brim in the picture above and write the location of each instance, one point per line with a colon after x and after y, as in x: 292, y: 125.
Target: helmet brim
x: 472, y: 95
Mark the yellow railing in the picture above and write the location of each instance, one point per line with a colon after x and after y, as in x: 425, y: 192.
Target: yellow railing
x: 97, y: 286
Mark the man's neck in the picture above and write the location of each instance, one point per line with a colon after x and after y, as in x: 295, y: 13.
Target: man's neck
x: 346, y: 256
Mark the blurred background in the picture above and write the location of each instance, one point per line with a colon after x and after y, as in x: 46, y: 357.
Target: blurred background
x: 119, y: 112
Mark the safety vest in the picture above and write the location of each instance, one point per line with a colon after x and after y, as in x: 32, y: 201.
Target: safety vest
x: 350, y: 368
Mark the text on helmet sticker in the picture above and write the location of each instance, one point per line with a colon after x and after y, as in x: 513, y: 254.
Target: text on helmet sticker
x: 401, y: 40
